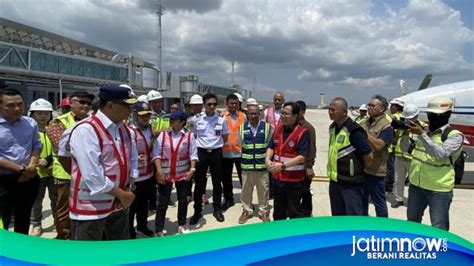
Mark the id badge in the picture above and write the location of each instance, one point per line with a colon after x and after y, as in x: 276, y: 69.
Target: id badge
x: 218, y: 130
x: 340, y: 139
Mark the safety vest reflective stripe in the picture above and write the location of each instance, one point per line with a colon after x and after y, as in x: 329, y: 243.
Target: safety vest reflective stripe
x: 232, y: 142
x: 346, y: 151
x: 430, y: 173
x: 175, y: 162
x: 81, y: 201
x: 254, y: 147
x: 287, y: 150
x: 145, y: 169
x: 68, y: 121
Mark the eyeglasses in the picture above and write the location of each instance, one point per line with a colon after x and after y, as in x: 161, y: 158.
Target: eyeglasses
x: 285, y: 114
x: 371, y: 105
x: 211, y: 104
x: 252, y: 114
x: 82, y: 102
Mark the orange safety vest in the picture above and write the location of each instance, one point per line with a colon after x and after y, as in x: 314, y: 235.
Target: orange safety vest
x: 287, y: 150
x: 232, y: 142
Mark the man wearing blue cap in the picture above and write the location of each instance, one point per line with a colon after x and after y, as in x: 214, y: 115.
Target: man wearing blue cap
x: 104, y: 161
x: 144, y: 184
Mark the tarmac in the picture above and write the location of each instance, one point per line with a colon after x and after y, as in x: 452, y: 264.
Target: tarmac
x: 461, y: 212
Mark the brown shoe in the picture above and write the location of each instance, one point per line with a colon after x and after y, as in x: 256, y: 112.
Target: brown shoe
x: 245, y: 217
x: 265, y: 217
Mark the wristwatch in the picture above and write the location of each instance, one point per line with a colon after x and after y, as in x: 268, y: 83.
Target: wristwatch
x: 23, y: 168
x: 283, y: 166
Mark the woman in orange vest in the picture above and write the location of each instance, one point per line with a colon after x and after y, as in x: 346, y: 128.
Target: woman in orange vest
x: 175, y: 157
x: 288, y: 148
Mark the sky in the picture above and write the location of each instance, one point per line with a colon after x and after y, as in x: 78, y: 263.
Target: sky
x: 348, y: 48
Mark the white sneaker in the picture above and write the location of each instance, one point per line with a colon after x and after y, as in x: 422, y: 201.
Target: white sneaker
x: 183, y: 229
x: 36, y: 231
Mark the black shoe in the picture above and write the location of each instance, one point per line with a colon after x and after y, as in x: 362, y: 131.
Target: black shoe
x: 218, y: 215
x: 171, y: 204
x: 396, y: 204
x: 195, y: 219
x: 227, y: 204
x: 145, y: 231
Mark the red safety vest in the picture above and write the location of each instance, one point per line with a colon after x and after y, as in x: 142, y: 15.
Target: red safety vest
x: 175, y: 161
x: 271, y: 117
x: 144, y: 146
x: 116, y: 166
x: 285, y: 151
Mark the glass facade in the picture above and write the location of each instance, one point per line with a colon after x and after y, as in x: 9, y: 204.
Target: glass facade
x: 45, y: 62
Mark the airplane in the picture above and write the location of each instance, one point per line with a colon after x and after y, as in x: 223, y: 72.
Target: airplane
x: 462, y: 95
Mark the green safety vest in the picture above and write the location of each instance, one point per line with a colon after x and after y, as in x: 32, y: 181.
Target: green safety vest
x: 58, y: 171
x: 359, y: 119
x: 430, y: 173
x: 343, y: 164
x: 46, y: 151
x: 254, y: 148
x: 160, y: 122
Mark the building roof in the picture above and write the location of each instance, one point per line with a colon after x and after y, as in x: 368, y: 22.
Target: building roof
x: 14, y: 32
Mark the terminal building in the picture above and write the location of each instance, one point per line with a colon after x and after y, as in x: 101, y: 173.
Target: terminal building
x: 43, y: 64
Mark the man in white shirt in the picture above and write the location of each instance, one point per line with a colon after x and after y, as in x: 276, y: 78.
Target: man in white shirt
x: 104, y: 163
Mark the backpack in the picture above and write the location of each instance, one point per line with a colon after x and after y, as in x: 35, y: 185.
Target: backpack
x: 458, y: 164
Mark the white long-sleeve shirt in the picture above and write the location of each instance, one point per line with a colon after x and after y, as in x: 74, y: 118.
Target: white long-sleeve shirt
x: 84, y: 146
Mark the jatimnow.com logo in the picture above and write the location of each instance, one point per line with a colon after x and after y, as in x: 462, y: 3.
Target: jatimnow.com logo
x: 385, y: 248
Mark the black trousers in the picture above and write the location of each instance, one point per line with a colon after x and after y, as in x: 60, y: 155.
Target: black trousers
x: 212, y: 159
x: 287, y: 199
x: 17, y: 198
x: 307, y: 201
x: 164, y: 194
x: 113, y: 227
x: 139, y: 208
x: 346, y: 199
x: 227, y: 185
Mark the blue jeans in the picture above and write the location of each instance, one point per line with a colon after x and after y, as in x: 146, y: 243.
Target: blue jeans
x: 375, y: 188
x: 439, y: 203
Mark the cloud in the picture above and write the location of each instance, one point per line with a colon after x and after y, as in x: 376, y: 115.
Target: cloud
x: 311, y: 46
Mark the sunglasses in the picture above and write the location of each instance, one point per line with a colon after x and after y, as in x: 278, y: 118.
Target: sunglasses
x: 211, y: 104
x: 82, y: 102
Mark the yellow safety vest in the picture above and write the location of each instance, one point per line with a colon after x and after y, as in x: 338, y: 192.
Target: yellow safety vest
x: 343, y: 164
x: 46, y: 151
x: 430, y: 173
x: 58, y: 171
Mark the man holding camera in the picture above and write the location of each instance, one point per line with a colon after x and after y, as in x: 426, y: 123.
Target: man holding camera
x: 403, y: 149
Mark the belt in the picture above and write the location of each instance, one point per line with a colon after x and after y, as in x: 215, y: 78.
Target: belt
x: 209, y: 150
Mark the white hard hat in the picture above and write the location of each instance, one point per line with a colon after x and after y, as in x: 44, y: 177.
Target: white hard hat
x: 153, y: 95
x: 252, y: 101
x: 41, y: 105
x: 196, y: 99
x: 363, y: 107
x: 260, y: 107
x: 398, y: 102
x: 128, y: 87
x: 142, y: 98
x: 409, y: 111
x: 241, y: 99
x: 439, y: 105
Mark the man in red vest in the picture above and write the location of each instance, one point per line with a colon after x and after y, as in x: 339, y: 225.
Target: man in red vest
x: 285, y: 159
x: 104, y: 162
x: 272, y: 114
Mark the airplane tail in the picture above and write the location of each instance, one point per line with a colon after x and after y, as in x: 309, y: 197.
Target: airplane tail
x: 426, y: 82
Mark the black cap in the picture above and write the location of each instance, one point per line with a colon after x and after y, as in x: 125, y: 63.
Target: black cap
x: 116, y: 93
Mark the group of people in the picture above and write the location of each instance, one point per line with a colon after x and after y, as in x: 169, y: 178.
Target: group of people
x: 110, y: 157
